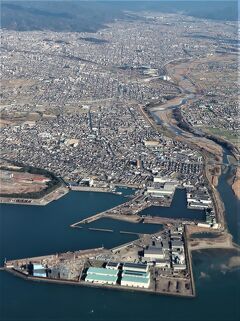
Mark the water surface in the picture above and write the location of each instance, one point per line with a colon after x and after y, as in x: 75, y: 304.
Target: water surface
x: 178, y: 209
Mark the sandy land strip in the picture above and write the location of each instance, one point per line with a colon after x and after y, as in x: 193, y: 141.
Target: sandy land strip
x: 236, y: 183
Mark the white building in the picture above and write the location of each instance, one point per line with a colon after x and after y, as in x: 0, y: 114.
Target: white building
x: 101, y: 279
x: 163, y: 263
x: 177, y: 245
x: 179, y: 267
x: 133, y: 281
x: 154, y: 252
x: 112, y: 265
x: 135, y: 267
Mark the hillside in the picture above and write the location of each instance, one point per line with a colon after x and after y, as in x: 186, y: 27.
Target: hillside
x: 90, y: 16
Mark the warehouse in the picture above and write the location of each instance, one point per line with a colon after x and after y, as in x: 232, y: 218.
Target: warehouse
x: 102, y: 271
x: 165, y: 245
x: 39, y: 270
x: 179, y: 267
x: 133, y: 281
x: 153, y: 252
x: 101, y: 279
x: 135, y: 267
x: 177, y: 245
x: 112, y: 265
x: 135, y: 273
x: 163, y: 263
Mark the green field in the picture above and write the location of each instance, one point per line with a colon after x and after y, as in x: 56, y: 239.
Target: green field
x: 231, y: 136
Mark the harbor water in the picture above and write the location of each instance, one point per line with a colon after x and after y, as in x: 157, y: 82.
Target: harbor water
x: 178, y: 209
x: 27, y: 231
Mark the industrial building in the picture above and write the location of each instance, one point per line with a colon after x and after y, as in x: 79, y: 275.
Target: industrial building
x: 39, y: 270
x: 112, y: 265
x: 136, y: 274
x: 161, y: 189
x: 177, y: 245
x: 165, y: 245
x: 135, y: 267
x: 163, y: 263
x: 179, y: 267
x: 154, y: 252
x: 101, y: 275
x: 101, y: 279
x: 135, y: 281
x: 102, y: 271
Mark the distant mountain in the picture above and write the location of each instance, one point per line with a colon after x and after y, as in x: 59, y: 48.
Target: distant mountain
x: 92, y: 15
x: 56, y: 15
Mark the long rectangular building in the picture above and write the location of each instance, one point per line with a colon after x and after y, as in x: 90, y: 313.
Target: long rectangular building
x: 135, y: 267
x: 101, y: 279
x: 135, y: 273
x: 102, y: 271
x: 135, y: 281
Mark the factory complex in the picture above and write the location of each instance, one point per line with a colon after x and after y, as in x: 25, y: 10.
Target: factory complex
x: 156, y: 263
x: 133, y: 277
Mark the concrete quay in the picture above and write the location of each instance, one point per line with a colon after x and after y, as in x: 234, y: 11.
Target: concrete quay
x: 94, y: 285
x: 91, y: 189
x: 70, y: 268
x: 56, y: 257
x: 46, y: 199
x: 112, y: 212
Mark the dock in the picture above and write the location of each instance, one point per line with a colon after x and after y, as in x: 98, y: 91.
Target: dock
x: 99, y: 229
x: 72, y: 267
x: 94, y: 285
x: 129, y: 211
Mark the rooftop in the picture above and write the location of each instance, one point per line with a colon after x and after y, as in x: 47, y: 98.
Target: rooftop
x: 101, y: 277
x: 101, y: 271
x: 135, y: 279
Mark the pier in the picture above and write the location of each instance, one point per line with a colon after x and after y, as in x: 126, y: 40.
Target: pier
x: 127, y: 207
x: 129, y: 212
x: 70, y: 268
x: 100, y: 229
x: 128, y: 232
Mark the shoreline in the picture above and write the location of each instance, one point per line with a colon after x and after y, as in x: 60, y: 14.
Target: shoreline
x: 94, y: 285
x: 234, y: 181
x: 45, y: 200
x: 16, y: 267
x: 60, y: 192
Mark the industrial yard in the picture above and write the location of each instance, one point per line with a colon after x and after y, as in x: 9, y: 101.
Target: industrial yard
x: 157, y: 263
x: 29, y: 186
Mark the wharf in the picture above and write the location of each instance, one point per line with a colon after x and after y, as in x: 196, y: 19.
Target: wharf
x: 46, y: 199
x: 111, y: 213
x: 45, y: 259
x: 67, y: 268
x: 100, y: 229
x: 91, y: 189
x: 128, y: 232
x: 164, y: 220
x: 94, y: 285
x: 129, y: 211
x: 189, y: 262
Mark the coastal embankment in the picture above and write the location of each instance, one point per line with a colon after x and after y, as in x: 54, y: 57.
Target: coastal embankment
x: 46, y: 199
x: 236, y: 182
